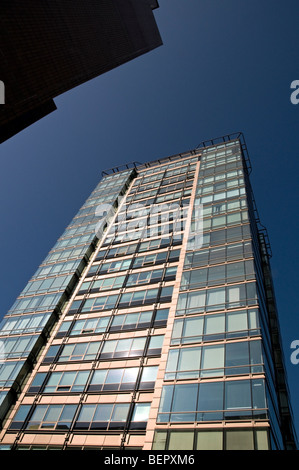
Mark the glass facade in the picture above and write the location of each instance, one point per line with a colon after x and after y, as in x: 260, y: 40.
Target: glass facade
x: 148, y: 325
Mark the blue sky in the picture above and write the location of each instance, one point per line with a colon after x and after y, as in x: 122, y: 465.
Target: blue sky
x: 225, y: 66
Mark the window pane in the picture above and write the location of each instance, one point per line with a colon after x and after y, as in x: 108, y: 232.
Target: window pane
x: 103, y: 413
x: 139, y: 343
x: 214, y: 324
x: 54, y: 379
x: 172, y: 360
x: 120, y: 413
x: 68, y: 413
x: 159, y: 442
x: 262, y: 439
x: 177, y: 329
x: 141, y: 412
x: 53, y: 413
x: 22, y: 413
x: 258, y: 394
x: 210, y: 397
x: 99, y: 377
x: 215, y: 297
x: 39, y: 413
x: 237, y: 321
x: 239, y: 440
x: 237, y: 395
x: 189, y: 359
x: 149, y: 374
x: 67, y: 378
x: 156, y: 342
x: 209, y: 440
x: 181, y: 440
x: 166, y: 398
x: 123, y: 345
x: 185, y: 398
x: 212, y: 358
x: 114, y: 376
x: 237, y: 354
x: 130, y: 375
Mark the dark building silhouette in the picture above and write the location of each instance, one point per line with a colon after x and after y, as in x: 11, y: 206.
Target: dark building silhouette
x: 47, y: 48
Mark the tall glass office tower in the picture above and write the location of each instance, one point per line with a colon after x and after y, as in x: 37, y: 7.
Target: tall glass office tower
x: 152, y: 322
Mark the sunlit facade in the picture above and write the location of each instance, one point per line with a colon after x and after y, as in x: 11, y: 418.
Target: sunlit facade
x: 152, y: 324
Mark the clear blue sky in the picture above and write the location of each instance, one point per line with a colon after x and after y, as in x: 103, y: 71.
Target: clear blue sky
x: 225, y: 66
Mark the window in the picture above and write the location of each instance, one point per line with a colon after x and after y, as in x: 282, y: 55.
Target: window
x: 103, y: 284
x: 154, y: 244
x: 144, y: 277
x: 20, y: 417
x: 220, y: 274
x: 181, y: 440
x: 37, y: 382
x: 131, y: 321
x: 115, y: 266
x: 148, y: 378
x: 237, y: 395
x: 89, y: 326
x: 9, y: 371
x: 189, y: 330
x: 239, y: 440
x: 114, y: 379
x: 47, y: 285
x: 18, y: 346
x: 72, y: 381
x: 229, y: 235
x: 58, y: 268
x: 239, y: 295
x: 140, y: 297
x: 52, y: 417
x: 140, y: 416
x: 75, y: 306
x: 131, y: 347
x: 79, y: 352
x: 211, y: 439
x: 99, y: 303
x: 178, y: 403
x: 193, y: 301
x: 150, y: 260
x: 161, y: 317
x: 122, y: 250
x: 24, y: 324
x: 235, y: 358
x: 103, y: 417
x: 64, y: 327
x: 155, y: 345
x: 51, y: 353
x: 35, y: 304
x: 212, y: 361
x: 209, y: 401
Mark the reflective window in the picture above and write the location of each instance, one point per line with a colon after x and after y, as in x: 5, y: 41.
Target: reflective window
x: 9, y: 371
x: 208, y: 401
x: 220, y: 274
x: 79, y: 352
x: 52, y: 417
x: 71, y: 381
x: 113, y: 379
x: 91, y: 325
x: 128, y: 347
x: 215, y: 360
x: 237, y: 295
x: 103, y: 416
